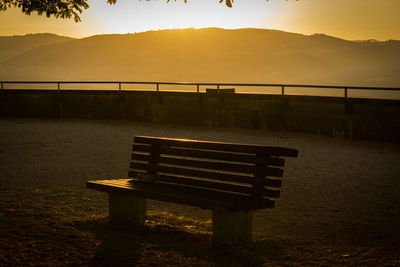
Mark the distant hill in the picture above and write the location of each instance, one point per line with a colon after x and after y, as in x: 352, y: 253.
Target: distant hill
x: 210, y: 55
x: 11, y: 46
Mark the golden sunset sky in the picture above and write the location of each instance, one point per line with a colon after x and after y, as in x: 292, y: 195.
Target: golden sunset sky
x: 348, y: 19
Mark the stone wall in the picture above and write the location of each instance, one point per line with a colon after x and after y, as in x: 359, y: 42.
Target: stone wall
x: 367, y: 119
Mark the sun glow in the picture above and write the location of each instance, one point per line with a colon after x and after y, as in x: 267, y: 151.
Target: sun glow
x: 354, y: 20
x: 135, y: 16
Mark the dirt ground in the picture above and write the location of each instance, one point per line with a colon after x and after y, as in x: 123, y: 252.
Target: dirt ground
x: 339, y: 205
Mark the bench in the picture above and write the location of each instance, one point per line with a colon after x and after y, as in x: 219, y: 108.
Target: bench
x: 232, y: 180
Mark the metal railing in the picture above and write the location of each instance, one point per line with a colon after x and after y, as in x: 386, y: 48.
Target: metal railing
x: 282, y: 87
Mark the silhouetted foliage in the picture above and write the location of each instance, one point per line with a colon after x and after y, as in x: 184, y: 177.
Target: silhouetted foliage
x: 61, y: 8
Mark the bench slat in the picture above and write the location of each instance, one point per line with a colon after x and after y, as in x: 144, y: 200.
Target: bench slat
x: 192, y: 172
x: 239, y: 148
x: 181, y: 194
x: 153, y: 168
x: 214, y: 155
x: 211, y: 165
x: 266, y: 182
x: 214, y: 185
x: 166, y: 170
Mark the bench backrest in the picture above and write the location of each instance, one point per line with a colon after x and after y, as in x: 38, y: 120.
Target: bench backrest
x: 252, y: 170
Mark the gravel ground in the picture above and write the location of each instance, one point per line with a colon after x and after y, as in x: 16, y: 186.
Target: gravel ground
x: 339, y: 204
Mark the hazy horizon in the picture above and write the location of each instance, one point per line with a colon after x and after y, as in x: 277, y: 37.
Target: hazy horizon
x: 350, y: 20
x: 193, y: 28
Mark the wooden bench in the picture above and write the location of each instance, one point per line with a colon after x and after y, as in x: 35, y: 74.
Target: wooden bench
x: 232, y: 180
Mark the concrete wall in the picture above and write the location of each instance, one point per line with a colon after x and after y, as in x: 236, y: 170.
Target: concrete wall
x: 367, y: 119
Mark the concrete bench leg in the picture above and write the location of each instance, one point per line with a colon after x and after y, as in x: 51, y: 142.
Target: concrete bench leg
x: 232, y: 226
x: 125, y: 207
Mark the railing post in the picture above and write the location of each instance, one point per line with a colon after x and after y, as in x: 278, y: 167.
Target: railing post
x: 60, y: 101
x: 218, y: 90
x: 120, y: 92
x: 346, y: 102
x: 347, y: 110
x: 199, y: 100
x: 284, y: 110
x: 3, y: 99
x: 158, y: 87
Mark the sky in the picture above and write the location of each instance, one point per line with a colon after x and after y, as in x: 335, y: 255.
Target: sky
x: 347, y: 19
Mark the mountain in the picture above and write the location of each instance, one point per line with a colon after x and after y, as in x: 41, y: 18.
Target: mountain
x: 211, y: 55
x: 11, y: 46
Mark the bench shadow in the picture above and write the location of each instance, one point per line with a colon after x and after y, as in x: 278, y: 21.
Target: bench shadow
x: 122, y: 245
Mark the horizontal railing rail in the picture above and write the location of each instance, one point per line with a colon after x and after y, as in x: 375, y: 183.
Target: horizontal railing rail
x: 198, y: 84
